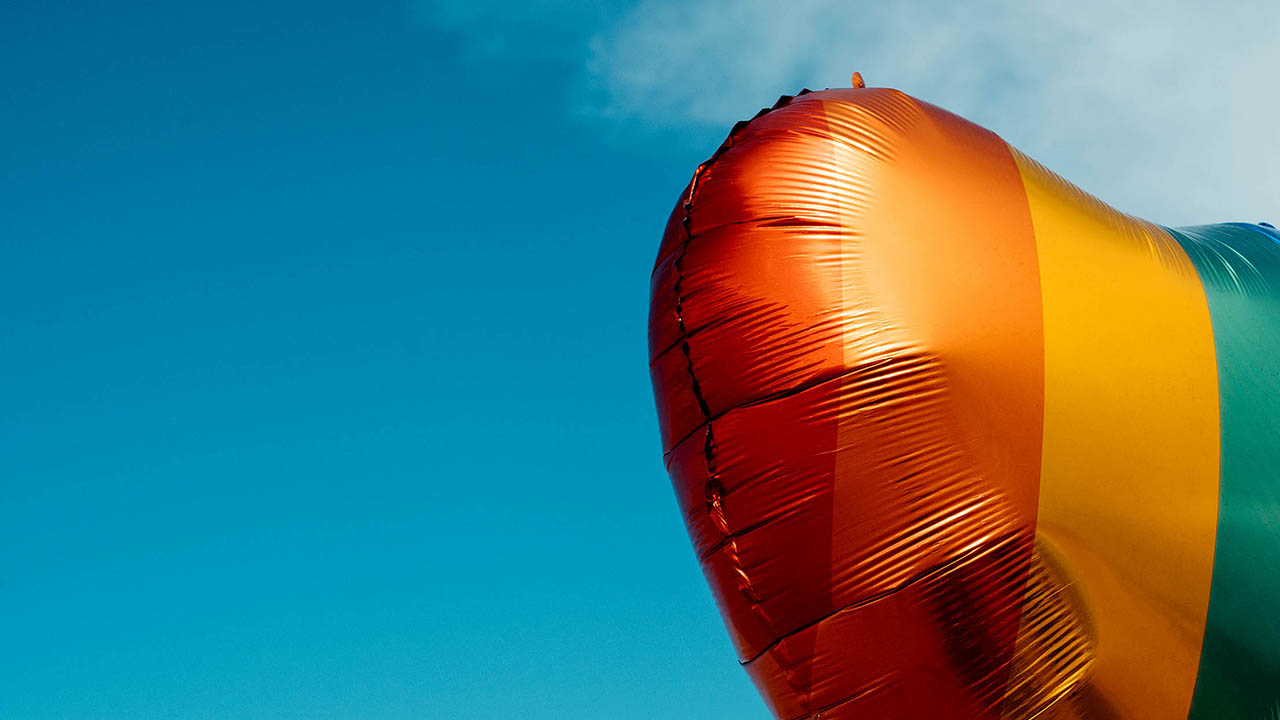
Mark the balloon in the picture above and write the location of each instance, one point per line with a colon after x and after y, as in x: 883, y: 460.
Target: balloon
x: 954, y: 439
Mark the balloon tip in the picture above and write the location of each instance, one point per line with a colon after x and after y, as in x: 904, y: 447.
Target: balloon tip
x: 858, y: 82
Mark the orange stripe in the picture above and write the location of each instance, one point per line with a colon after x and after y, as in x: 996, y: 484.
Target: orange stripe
x: 945, y: 253
x: 940, y: 432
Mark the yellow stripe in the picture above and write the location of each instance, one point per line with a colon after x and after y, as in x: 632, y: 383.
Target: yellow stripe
x: 1129, y: 482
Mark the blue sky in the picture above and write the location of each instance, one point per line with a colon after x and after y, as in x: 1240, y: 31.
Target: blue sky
x: 322, y: 355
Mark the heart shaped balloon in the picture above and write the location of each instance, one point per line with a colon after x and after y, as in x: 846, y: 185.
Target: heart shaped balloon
x: 954, y: 439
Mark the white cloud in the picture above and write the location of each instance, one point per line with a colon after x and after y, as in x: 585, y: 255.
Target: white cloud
x: 1167, y: 109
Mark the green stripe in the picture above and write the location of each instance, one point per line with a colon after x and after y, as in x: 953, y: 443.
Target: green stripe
x: 1239, y: 675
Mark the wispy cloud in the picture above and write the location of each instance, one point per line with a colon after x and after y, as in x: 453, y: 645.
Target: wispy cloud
x: 1165, y: 108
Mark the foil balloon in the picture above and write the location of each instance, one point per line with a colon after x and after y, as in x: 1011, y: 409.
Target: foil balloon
x: 954, y: 439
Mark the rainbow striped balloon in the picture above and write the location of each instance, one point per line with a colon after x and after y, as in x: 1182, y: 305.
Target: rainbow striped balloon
x: 954, y: 439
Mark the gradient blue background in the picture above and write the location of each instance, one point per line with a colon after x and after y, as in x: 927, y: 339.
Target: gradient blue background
x: 323, y: 375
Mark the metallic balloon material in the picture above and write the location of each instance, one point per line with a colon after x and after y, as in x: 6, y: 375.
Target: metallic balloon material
x: 954, y: 439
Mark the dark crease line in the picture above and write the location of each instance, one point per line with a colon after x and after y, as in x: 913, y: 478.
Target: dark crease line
x: 820, y: 379
x: 711, y: 488
x: 909, y: 582
x: 832, y: 706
